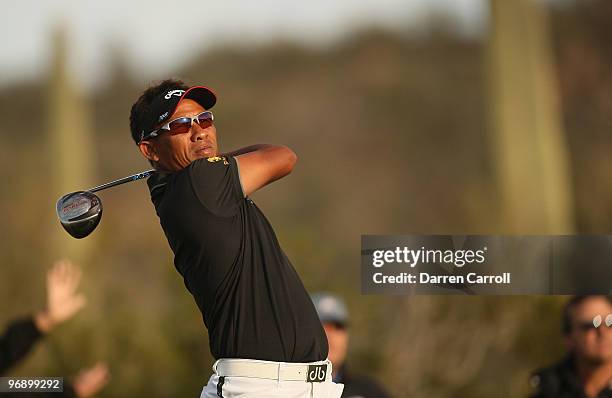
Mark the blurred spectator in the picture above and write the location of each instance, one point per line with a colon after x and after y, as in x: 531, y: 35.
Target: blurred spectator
x: 334, y: 317
x: 586, y: 370
x: 62, y: 304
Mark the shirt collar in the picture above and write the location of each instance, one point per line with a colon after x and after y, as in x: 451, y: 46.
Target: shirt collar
x: 157, y: 180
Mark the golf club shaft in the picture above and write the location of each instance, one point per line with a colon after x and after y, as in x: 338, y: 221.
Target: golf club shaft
x: 120, y: 181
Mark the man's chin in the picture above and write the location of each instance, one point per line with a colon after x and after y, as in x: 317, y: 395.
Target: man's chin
x: 206, y: 153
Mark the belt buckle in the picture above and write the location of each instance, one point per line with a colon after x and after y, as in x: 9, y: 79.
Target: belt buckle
x: 316, y: 373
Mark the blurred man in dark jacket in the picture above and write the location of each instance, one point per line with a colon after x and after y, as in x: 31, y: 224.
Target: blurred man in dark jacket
x: 63, y: 302
x: 586, y: 371
x: 334, y: 317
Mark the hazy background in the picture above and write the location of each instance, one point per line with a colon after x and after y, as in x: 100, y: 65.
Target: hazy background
x: 408, y: 117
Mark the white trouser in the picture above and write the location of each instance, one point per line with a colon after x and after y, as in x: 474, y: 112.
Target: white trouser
x: 248, y: 378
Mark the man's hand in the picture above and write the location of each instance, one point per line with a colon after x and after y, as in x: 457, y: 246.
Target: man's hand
x: 262, y: 165
x: 62, y: 300
x: 89, y: 381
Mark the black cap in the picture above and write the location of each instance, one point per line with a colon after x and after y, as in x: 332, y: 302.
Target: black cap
x: 164, y: 105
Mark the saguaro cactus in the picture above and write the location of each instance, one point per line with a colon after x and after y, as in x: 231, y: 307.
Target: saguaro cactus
x: 70, y: 144
x: 529, y: 148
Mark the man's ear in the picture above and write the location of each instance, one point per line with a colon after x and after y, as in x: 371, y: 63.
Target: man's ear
x: 148, y: 150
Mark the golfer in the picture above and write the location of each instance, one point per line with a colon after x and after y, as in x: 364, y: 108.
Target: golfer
x: 264, y: 331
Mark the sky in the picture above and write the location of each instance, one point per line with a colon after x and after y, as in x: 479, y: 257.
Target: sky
x: 156, y: 37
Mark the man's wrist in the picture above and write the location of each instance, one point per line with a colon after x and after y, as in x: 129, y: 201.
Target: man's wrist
x: 43, y: 321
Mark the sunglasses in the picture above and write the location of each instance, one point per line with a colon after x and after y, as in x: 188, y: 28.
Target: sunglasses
x: 183, y: 124
x: 586, y: 327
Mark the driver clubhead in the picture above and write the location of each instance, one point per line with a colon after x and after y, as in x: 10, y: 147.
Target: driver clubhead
x: 79, y: 213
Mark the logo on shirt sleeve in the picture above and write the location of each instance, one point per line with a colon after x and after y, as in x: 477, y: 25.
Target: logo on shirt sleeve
x: 217, y: 159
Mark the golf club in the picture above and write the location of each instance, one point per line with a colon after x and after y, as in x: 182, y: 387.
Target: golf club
x: 80, y: 212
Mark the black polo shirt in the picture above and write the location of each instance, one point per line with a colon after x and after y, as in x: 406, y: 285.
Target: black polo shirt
x: 251, y: 298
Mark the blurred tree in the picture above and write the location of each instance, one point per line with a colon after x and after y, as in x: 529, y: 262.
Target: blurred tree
x: 71, y: 146
x: 530, y: 151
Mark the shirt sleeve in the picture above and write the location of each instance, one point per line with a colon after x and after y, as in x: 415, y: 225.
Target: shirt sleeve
x: 16, y: 342
x: 216, y: 183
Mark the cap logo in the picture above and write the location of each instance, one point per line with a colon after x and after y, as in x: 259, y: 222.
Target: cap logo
x: 170, y: 93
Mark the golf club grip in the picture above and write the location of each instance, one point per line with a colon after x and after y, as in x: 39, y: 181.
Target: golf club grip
x: 120, y: 181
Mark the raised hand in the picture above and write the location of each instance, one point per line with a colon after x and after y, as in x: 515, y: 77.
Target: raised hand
x: 63, y: 302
